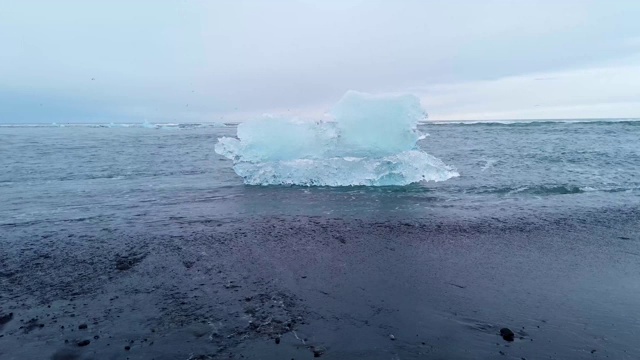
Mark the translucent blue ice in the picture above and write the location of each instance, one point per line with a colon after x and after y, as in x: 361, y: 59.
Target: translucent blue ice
x: 371, y: 140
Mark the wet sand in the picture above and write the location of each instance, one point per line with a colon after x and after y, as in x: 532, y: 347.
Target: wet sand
x: 305, y: 287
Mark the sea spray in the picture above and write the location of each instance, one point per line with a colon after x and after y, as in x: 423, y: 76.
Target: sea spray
x: 370, y: 140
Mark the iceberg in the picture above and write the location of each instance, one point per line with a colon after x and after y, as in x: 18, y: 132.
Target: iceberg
x: 368, y: 140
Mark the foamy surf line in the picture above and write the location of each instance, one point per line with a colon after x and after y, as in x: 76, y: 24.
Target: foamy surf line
x: 629, y: 121
x: 370, y: 140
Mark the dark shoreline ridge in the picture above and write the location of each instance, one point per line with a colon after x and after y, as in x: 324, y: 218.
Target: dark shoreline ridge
x: 303, y: 287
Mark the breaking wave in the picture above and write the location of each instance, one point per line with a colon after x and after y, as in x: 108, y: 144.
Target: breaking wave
x: 370, y: 140
x: 144, y: 125
x: 630, y: 121
x: 549, y: 189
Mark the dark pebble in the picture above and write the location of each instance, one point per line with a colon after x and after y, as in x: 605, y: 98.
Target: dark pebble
x: 593, y: 351
x: 84, y: 343
x: 96, y: 337
x: 127, y: 348
x: 317, y: 352
x: 82, y: 326
x: 277, y: 340
x: 507, y: 334
x: 5, y: 318
x: 123, y: 265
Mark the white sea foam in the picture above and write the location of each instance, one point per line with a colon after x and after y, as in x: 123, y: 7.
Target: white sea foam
x: 532, y: 121
x: 488, y: 164
x: 370, y: 140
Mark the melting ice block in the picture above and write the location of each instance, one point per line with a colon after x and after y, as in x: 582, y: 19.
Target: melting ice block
x: 370, y: 140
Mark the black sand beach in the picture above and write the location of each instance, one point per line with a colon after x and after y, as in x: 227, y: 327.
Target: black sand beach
x: 304, y: 287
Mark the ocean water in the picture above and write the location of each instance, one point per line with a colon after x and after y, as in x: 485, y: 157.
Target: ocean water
x: 528, y: 170
x: 148, y: 235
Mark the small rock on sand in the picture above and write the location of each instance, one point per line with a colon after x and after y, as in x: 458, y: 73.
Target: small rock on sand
x: 317, y: 351
x: 5, y: 318
x: 84, y: 342
x: 507, y: 334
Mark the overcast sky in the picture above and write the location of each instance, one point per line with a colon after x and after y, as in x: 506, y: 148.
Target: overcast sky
x: 165, y: 61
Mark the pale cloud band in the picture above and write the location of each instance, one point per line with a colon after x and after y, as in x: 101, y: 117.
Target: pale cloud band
x: 604, y: 92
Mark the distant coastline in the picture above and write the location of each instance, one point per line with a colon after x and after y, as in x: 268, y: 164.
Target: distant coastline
x: 236, y: 123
